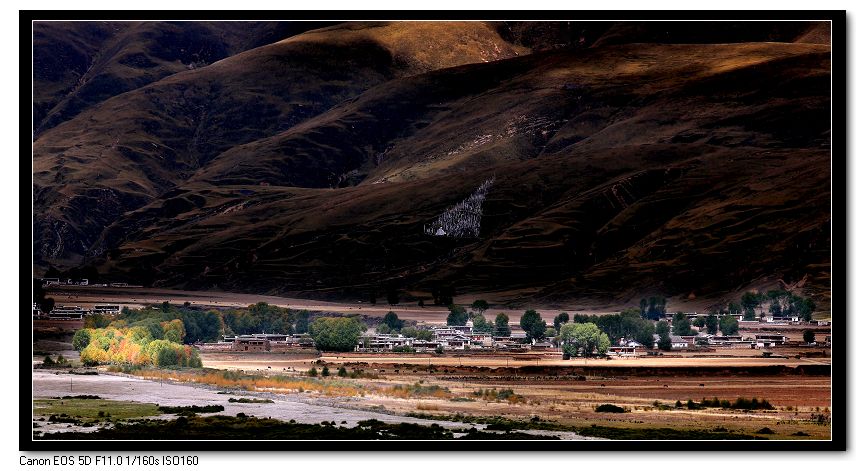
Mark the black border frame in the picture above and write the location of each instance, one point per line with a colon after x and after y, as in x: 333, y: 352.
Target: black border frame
x: 839, y: 267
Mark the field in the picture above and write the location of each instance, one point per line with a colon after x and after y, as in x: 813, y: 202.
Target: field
x: 566, y: 393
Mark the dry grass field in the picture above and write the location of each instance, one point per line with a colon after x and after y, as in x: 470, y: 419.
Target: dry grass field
x: 520, y: 387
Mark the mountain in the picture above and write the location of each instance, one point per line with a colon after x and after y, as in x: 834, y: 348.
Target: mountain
x: 79, y: 64
x: 620, y: 169
x: 120, y: 154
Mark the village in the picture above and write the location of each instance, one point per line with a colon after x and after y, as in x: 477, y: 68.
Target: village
x: 465, y: 340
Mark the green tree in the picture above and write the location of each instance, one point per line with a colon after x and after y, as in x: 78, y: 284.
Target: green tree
x: 502, y: 325
x: 663, y: 331
x: 393, y: 321
x: 664, y: 342
x: 338, y: 334
x: 808, y: 336
x: 734, y: 308
x: 562, y: 318
x: 585, y: 338
x: 481, y: 324
x: 712, y: 324
x: 751, y: 300
x: 645, y: 335
x: 457, y: 315
x: 681, y: 324
x: 383, y: 329
x: 699, y: 322
x: 81, y: 339
x: 302, y: 324
x: 728, y: 325
x: 534, y: 326
x: 480, y: 305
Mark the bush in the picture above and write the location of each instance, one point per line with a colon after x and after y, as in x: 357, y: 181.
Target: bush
x: 81, y: 339
x: 312, y: 372
x: 341, y: 372
x: 325, y: 371
x: 611, y: 408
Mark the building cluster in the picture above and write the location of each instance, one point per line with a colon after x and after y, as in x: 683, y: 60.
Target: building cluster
x: 74, y: 313
x: 764, y: 319
x: 258, y: 343
x: 83, y: 282
x: 453, y: 337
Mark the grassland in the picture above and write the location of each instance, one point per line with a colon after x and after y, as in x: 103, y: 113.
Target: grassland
x: 89, y: 411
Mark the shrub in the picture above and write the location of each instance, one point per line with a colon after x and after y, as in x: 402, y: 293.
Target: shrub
x: 312, y: 372
x: 612, y: 408
x: 81, y: 339
x: 341, y: 372
x: 325, y: 371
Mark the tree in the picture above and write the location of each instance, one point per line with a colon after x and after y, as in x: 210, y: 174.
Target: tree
x: 173, y: 331
x: 644, y: 305
x: 663, y: 331
x: 420, y: 303
x: 562, y: 318
x: 664, y: 342
x: 393, y: 321
x: 416, y: 333
x: 712, y: 324
x: 480, y: 305
x: 502, y: 325
x: 392, y: 296
x: 734, y: 307
x: 656, y: 307
x: 681, y: 324
x: 808, y: 336
x: 302, y: 324
x: 47, y: 305
x: 699, y: 322
x: 534, y: 326
x: 457, y: 315
x: 481, y: 324
x: 645, y: 335
x: 443, y: 295
x: 81, y: 339
x: 585, y: 338
x: 728, y: 325
x: 382, y: 329
x: 751, y: 301
x: 338, y: 334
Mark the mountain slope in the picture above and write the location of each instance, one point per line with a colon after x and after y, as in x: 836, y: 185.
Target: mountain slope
x: 619, y: 171
x: 81, y: 64
x: 120, y: 154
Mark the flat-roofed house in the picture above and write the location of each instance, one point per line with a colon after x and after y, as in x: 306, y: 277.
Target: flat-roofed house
x: 769, y: 340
